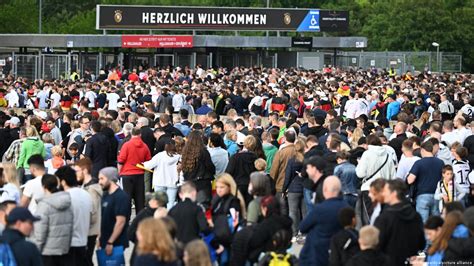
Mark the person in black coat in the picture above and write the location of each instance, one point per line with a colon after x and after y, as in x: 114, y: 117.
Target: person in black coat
x: 97, y: 149
x: 369, y: 254
x: 146, y: 133
x: 19, y: 226
x: 345, y: 243
x: 198, y: 167
x: 188, y: 216
x: 401, y: 227
x: 241, y: 165
x: 273, y: 221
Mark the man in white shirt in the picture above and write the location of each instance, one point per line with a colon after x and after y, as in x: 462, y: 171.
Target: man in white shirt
x: 445, y: 107
x: 33, y: 190
x: 449, y: 136
x: 55, y: 98
x: 178, y: 101
x: 81, y: 203
x: 43, y: 96
x: 112, y: 99
x: 351, y: 107
x: 461, y: 129
x: 407, y: 160
x: 12, y: 97
x: 90, y: 96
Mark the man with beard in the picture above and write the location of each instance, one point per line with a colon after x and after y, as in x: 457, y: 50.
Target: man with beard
x: 115, y: 212
x: 83, y: 169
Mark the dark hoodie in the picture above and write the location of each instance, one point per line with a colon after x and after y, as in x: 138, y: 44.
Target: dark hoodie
x: 98, y: 150
x: 26, y: 253
x: 401, y: 232
x: 460, y: 249
x: 240, y: 166
x: 370, y: 257
x: 261, y: 240
x: 317, y: 131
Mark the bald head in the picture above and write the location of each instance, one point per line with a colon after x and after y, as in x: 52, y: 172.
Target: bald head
x: 331, y: 187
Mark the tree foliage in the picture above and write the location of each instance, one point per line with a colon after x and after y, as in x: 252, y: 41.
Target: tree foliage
x: 390, y: 25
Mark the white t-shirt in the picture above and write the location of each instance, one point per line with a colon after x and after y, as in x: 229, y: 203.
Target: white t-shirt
x: 463, y: 133
x: 55, y: 98
x: 13, y: 99
x: 91, y: 96
x: 34, y: 191
x: 405, y: 165
x: 450, y: 138
x: 81, y: 203
x: 113, y: 99
x: 350, y: 109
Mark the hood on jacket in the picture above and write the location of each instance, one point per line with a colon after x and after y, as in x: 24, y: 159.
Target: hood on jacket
x: 461, y: 231
x: 35, y: 142
x: 403, y: 210
x: 268, y: 146
x: 379, y: 150
x: 96, y: 188
x: 461, y: 248
x: 247, y: 156
x: 137, y: 142
x: 59, y: 200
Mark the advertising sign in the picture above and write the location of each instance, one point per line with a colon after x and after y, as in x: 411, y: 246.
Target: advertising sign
x: 126, y: 17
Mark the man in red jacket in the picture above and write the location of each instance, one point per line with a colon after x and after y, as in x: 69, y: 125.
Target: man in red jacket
x: 132, y: 153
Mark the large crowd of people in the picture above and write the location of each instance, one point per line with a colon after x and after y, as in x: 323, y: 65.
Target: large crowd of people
x: 237, y: 167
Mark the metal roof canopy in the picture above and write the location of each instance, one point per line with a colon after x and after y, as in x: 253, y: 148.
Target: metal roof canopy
x: 88, y: 41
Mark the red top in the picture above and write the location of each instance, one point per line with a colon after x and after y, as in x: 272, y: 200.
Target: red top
x: 132, y: 153
x: 133, y: 77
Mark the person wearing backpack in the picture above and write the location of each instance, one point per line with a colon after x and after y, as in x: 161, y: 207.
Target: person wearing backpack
x: 344, y: 244
x: 278, y: 256
x: 14, y: 248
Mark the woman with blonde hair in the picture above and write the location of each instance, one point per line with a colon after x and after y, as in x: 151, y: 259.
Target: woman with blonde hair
x: 227, y: 210
x: 30, y: 146
x: 293, y: 186
x: 155, y: 245
x: 56, y: 160
x: 196, y: 253
x: 9, y: 183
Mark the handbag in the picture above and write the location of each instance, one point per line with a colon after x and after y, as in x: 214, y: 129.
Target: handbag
x: 115, y: 259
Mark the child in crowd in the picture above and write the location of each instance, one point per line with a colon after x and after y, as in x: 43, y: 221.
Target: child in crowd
x: 448, y: 190
x: 74, y: 151
x: 344, y: 244
x: 278, y: 255
x: 461, y: 167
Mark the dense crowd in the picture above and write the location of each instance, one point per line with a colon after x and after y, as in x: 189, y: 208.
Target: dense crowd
x: 237, y: 167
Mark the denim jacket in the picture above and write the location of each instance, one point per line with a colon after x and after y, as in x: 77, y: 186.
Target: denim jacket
x: 347, y: 174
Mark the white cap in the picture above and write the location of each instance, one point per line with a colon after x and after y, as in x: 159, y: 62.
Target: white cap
x: 14, y: 121
x: 41, y: 114
x: 121, y: 105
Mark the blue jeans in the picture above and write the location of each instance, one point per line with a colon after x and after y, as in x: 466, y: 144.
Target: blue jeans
x: 426, y: 206
x: 171, y: 192
x: 308, y: 199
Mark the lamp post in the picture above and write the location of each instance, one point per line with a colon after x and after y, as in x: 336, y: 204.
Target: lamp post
x: 435, y: 44
x: 39, y: 15
x: 268, y: 5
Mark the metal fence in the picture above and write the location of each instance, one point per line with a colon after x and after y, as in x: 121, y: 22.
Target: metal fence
x: 400, y: 61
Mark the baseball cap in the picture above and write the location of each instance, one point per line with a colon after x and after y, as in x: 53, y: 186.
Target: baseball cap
x: 41, y: 114
x: 121, y: 105
x: 21, y: 214
x: 14, y: 121
x: 189, y: 97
